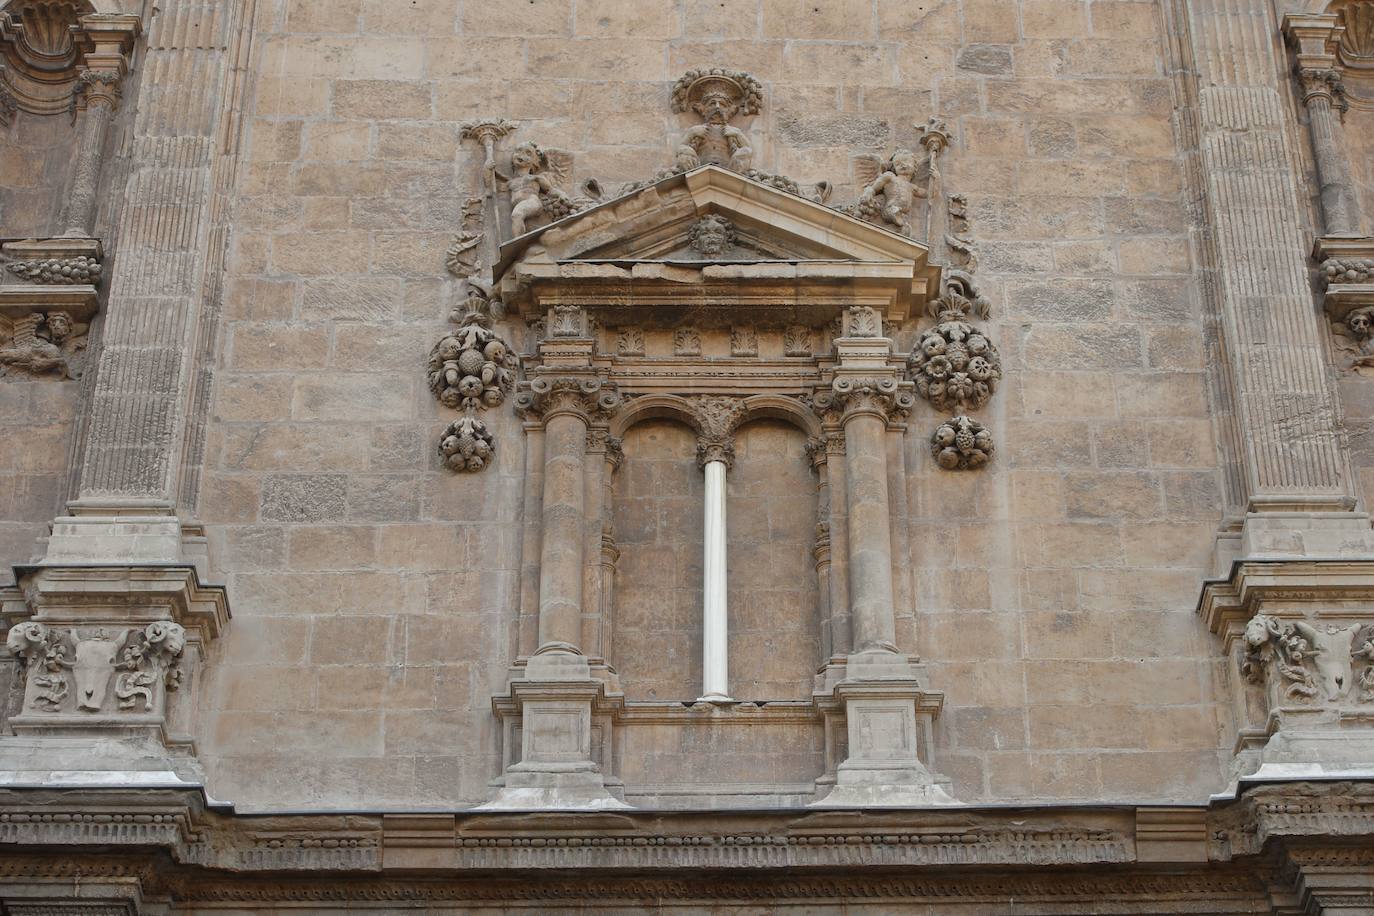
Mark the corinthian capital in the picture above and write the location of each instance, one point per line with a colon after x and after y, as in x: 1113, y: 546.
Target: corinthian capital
x: 588, y: 398
x: 717, y: 419
x: 1322, y: 83
x: 99, y: 88
x: 848, y: 397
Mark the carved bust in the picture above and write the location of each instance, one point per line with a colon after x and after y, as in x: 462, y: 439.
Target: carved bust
x: 712, y: 235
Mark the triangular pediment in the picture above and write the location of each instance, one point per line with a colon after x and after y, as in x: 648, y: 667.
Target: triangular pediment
x: 650, y: 238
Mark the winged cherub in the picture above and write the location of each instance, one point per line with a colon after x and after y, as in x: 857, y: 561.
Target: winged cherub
x: 534, y: 186
x: 892, y: 188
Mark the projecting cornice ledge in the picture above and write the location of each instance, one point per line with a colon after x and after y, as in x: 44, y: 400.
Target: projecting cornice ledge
x: 178, y: 846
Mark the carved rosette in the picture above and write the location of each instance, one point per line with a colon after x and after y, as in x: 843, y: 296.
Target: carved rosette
x: 717, y: 419
x: 70, y: 670
x: 961, y: 444
x: 589, y: 398
x: 1304, y: 663
x: 848, y: 396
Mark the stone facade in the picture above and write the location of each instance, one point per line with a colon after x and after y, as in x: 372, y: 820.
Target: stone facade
x: 850, y: 455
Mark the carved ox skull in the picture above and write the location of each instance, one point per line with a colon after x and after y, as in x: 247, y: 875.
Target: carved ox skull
x: 95, y: 660
x: 1331, y: 658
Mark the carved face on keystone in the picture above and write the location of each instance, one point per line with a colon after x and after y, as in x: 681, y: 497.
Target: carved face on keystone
x: 95, y: 660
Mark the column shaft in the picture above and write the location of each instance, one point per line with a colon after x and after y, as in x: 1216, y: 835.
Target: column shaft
x: 870, y: 534
x: 78, y: 213
x: 560, y: 555
x: 715, y: 634
x: 1333, y: 174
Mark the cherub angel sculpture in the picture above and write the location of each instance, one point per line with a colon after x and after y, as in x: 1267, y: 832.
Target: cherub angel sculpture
x: 534, y: 182
x: 891, y: 188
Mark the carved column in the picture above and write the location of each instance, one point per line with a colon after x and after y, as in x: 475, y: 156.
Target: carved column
x: 886, y: 709
x: 556, y: 698
x: 98, y: 91
x: 1314, y: 40
x: 124, y: 567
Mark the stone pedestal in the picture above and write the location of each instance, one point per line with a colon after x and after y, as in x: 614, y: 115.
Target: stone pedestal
x: 1299, y: 641
x: 110, y: 662
x: 555, y: 768
x: 887, y: 728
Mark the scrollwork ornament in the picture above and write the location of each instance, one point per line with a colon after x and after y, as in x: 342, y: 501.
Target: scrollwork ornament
x: 591, y: 399
x: 848, y: 396
x: 961, y: 444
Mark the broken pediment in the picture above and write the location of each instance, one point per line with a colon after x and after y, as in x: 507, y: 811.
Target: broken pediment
x: 712, y: 240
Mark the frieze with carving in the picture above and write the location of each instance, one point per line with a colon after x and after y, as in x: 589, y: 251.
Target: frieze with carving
x: 70, y: 670
x: 1307, y: 663
x: 51, y: 343
x: 80, y: 269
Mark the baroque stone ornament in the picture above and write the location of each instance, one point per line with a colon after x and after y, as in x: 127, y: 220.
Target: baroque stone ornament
x: 744, y: 341
x: 717, y: 96
x: 464, y: 256
x: 42, y: 344
x: 1346, y: 270
x: 891, y: 188
x: 466, y: 444
x: 630, y: 342
x: 77, y: 665
x: 471, y: 369
x: 797, y: 341
x: 711, y: 236
x: 686, y: 342
x: 1355, y: 335
x: 589, y: 397
x: 886, y: 397
x: 1308, y: 663
x: 58, y: 271
x: 961, y: 444
x: 717, y: 419
x: 953, y: 364
x: 534, y: 189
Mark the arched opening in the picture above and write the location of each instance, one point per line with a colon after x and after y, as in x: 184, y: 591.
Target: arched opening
x: 774, y: 632
x: 658, y: 530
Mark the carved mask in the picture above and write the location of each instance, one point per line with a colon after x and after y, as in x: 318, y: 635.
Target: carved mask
x: 1332, y: 661
x: 716, y: 107
x: 95, y: 660
x: 1359, y: 322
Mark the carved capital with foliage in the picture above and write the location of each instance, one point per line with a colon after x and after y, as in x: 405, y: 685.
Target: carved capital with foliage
x: 849, y: 397
x: 717, y: 419
x: 588, y: 398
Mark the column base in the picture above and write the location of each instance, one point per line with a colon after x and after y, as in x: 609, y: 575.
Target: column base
x: 887, y: 723
x: 554, y: 767
x: 109, y: 659
x: 1317, y: 531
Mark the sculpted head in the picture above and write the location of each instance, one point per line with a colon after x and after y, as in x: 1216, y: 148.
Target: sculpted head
x: 711, y: 235
x: 1361, y: 322
x: 904, y: 163
x: 716, y: 105
x: 527, y: 156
